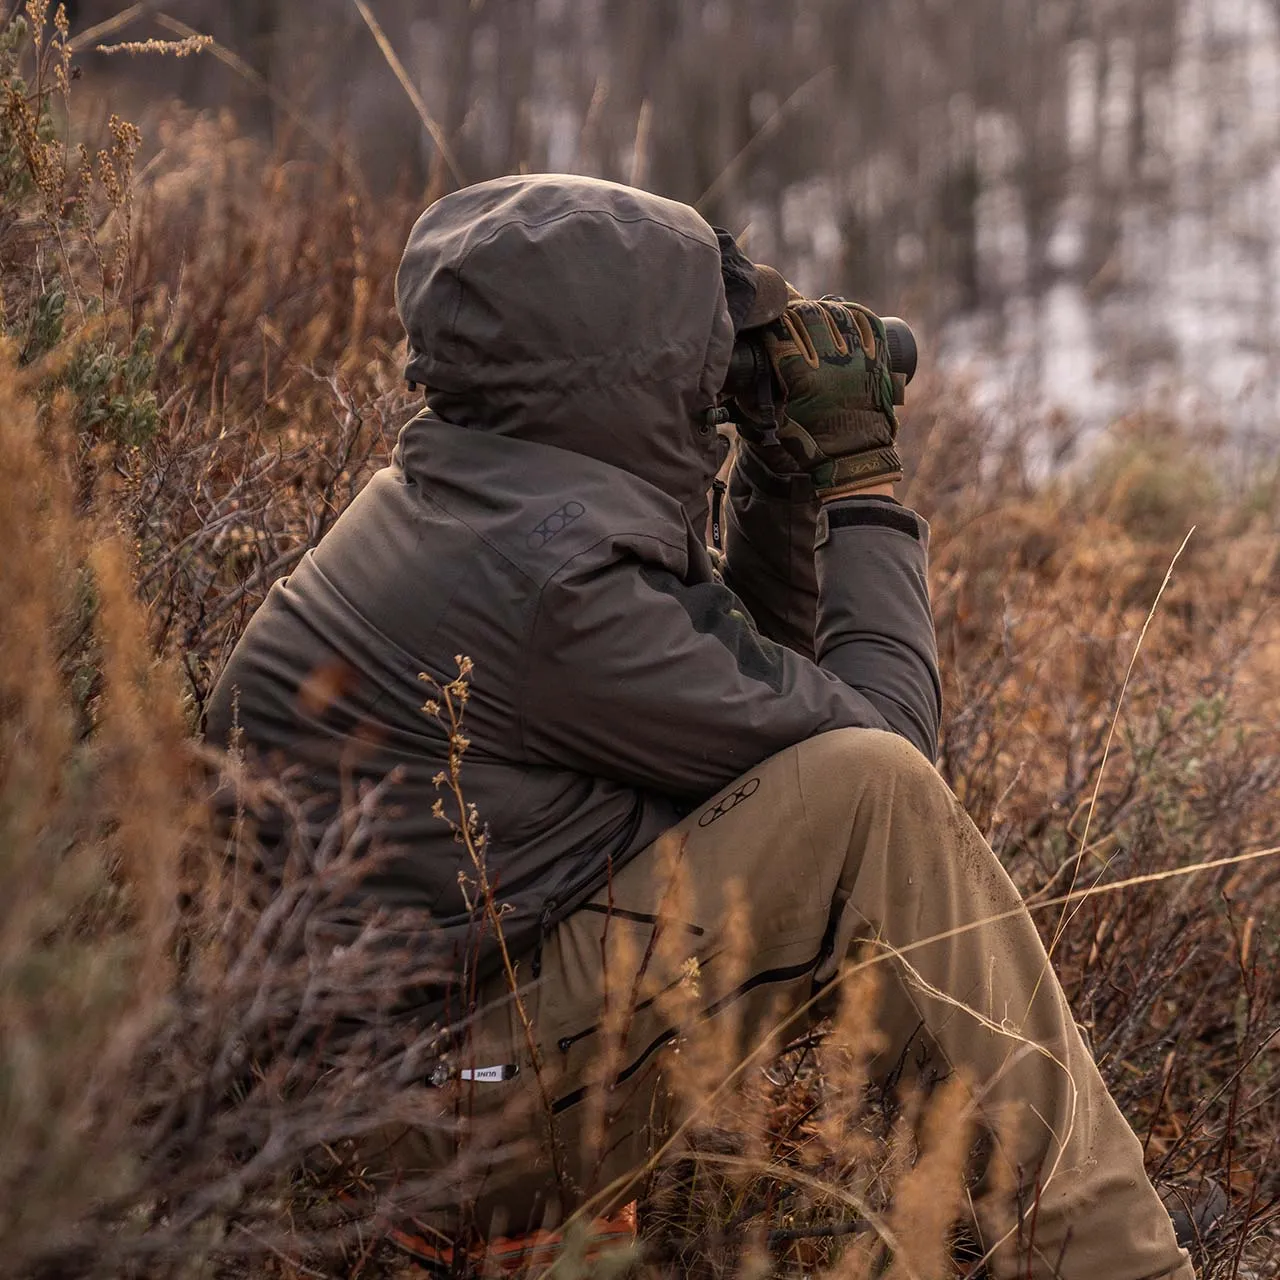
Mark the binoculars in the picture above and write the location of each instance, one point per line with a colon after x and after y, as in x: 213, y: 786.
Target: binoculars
x: 750, y: 373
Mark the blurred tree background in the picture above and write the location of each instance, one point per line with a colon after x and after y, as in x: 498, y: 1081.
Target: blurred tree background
x: 1078, y: 195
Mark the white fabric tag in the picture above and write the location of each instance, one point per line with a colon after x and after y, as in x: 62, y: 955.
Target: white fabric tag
x: 489, y: 1075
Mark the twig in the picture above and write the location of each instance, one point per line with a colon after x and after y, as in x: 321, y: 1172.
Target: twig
x: 1066, y: 919
x: 640, y: 153
x: 266, y: 575
x: 230, y: 58
x: 766, y: 131
x: 117, y: 22
x: 455, y: 694
x: 406, y: 83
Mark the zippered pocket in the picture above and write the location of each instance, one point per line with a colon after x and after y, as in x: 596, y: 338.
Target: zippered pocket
x: 640, y: 917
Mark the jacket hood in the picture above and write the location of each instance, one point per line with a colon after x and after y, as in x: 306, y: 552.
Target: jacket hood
x: 575, y: 313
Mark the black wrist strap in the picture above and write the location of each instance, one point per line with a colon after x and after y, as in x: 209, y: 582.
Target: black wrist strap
x: 853, y: 513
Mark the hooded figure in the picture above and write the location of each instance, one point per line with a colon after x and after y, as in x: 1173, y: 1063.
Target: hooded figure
x: 544, y: 517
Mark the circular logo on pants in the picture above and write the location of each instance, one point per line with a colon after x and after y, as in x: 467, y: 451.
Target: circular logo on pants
x: 728, y: 803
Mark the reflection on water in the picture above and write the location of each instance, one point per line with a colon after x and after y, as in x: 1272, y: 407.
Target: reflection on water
x: 1185, y: 162
x: 1077, y: 197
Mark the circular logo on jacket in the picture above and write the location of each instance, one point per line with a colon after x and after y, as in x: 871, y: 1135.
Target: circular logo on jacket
x: 554, y: 524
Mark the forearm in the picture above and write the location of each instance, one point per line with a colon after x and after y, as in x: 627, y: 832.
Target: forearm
x: 770, y: 523
x: 874, y: 627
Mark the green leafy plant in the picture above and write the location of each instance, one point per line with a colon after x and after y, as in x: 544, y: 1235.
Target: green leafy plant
x: 113, y: 389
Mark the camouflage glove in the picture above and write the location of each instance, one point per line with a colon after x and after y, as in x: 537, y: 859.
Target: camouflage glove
x: 837, y: 420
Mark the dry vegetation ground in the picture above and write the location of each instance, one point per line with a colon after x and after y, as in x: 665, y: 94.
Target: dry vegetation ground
x: 198, y: 369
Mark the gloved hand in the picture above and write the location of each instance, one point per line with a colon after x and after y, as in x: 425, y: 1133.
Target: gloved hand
x: 837, y: 420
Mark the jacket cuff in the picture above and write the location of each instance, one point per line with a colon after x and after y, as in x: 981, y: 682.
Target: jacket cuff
x: 871, y: 512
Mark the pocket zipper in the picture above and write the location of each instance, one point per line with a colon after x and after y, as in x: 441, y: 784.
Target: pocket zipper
x: 718, y: 488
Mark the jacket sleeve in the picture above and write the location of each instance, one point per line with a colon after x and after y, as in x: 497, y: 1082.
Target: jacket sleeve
x: 875, y: 625
x: 770, y: 530
x: 668, y: 686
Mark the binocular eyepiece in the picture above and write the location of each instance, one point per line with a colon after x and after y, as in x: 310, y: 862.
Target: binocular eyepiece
x: 750, y: 371
x: 904, y: 354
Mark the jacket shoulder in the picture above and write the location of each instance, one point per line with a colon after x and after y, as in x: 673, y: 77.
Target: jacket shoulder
x: 540, y: 507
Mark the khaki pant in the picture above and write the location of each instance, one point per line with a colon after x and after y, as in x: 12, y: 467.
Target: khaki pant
x: 845, y: 840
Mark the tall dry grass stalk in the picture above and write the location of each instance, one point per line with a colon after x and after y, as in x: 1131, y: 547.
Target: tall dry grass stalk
x: 94, y: 799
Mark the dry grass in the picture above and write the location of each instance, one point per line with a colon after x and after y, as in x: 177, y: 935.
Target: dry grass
x: 199, y: 370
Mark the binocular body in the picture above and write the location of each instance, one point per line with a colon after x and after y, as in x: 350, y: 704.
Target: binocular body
x: 751, y: 374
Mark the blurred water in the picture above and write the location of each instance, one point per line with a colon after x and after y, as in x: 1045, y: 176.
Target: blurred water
x: 1078, y: 198
x: 1186, y: 311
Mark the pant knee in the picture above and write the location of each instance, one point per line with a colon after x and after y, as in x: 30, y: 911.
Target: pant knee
x: 872, y: 754
x: 871, y: 785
